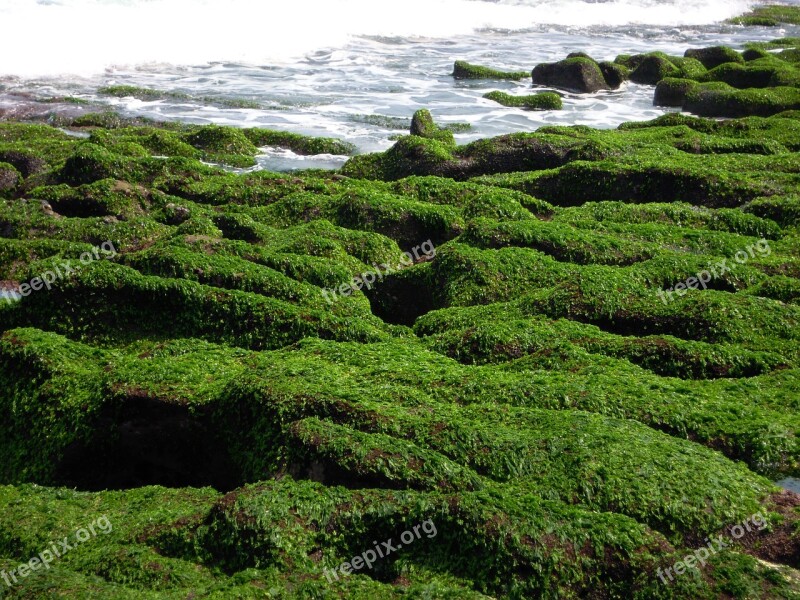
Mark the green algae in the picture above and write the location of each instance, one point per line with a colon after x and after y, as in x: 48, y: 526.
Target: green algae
x: 567, y: 431
x: 541, y: 101
x: 465, y: 70
x: 769, y: 16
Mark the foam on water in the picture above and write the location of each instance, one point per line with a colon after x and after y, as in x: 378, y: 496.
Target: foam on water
x: 83, y: 37
x: 352, y: 69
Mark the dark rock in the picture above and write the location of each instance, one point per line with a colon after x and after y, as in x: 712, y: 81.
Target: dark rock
x: 672, y: 91
x: 580, y: 75
x: 754, y: 54
x: 580, y: 55
x: 652, y: 69
x: 615, y: 75
x: 714, y: 56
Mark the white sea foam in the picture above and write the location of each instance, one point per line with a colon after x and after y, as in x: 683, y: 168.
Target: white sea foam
x: 84, y: 37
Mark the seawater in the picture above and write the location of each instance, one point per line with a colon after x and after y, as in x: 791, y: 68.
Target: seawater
x: 354, y: 69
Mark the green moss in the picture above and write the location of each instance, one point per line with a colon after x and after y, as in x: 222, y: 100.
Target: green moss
x: 300, y: 144
x: 106, y: 197
x: 10, y: 179
x: 422, y: 125
x: 465, y: 70
x: 526, y: 389
x: 540, y: 101
x: 739, y: 103
x: 714, y: 56
x: 769, y: 16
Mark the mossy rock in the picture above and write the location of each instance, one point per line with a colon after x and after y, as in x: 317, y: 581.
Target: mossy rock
x: 223, y: 144
x: 465, y: 70
x: 10, y: 178
x: 422, y: 125
x: 714, y: 56
x: 652, y: 68
x: 580, y: 75
x: 769, y: 16
x: 523, y: 385
x: 708, y: 102
x: 614, y: 74
x: 671, y: 91
x: 541, y: 101
x: 300, y: 144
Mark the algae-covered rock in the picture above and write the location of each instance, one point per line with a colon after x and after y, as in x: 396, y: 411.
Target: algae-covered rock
x: 465, y: 70
x: 422, y: 125
x: 672, y: 92
x: 581, y: 75
x: 301, y: 144
x: 769, y: 16
x: 714, y: 56
x: 652, y: 69
x: 614, y: 74
x: 10, y: 178
x: 563, y: 358
x: 541, y: 101
x: 715, y: 102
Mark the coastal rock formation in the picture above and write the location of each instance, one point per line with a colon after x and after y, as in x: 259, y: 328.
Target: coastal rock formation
x: 465, y: 70
x: 581, y: 75
x: 542, y: 101
x: 714, y: 56
x: 10, y: 178
x: 422, y: 125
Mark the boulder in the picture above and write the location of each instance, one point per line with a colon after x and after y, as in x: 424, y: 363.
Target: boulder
x: 720, y: 100
x: 652, y: 69
x: 578, y: 74
x: 743, y: 76
x: 714, y: 56
x: 422, y: 125
x: 672, y: 91
x: 542, y: 101
x: 614, y: 74
x: 464, y: 70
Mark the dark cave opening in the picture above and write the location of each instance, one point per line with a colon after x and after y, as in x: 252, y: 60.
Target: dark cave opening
x: 147, y: 442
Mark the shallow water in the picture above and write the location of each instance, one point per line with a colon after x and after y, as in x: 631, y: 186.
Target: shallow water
x: 345, y: 69
x: 790, y: 483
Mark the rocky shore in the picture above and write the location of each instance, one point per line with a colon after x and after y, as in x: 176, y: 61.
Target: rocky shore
x: 555, y: 386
